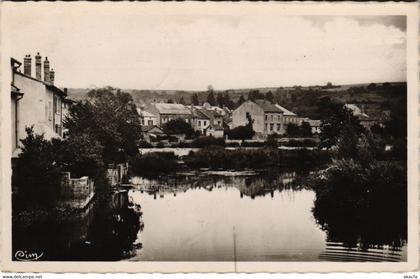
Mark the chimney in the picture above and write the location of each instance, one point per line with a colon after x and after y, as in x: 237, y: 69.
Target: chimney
x: 38, y: 66
x: 52, y: 76
x: 27, y: 64
x: 46, y: 70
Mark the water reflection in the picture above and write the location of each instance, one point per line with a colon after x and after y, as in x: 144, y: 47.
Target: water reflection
x: 211, y: 216
x: 106, y: 230
x: 193, y: 217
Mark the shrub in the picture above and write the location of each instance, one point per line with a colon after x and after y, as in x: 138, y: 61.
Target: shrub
x: 207, y: 141
x: 358, y: 203
x: 144, y: 144
x: 154, y: 163
x: 36, y: 174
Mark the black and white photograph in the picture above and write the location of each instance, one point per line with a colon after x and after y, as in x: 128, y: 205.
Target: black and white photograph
x: 231, y: 133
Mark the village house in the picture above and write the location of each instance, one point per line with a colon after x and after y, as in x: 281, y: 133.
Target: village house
x: 314, y: 124
x: 365, y: 120
x: 267, y: 118
x: 288, y: 117
x: 166, y: 112
x: 147, y: 118
x: 35, y: 101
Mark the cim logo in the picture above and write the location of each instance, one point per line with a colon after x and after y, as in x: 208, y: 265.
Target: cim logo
x: 26, y: 256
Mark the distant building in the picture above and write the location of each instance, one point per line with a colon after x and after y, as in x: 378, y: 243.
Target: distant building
x: 315, y: 124
x: 289, y: 117
x: 147, y: 118
x: 35, y: 101
x: 152, y: 133
x: 267, y: 118
x: 166, y: 112
x: 365, y: 120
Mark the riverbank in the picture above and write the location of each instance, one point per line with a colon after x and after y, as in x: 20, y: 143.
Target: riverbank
x: 221, y: 158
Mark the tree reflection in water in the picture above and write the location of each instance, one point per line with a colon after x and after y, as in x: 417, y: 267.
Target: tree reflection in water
x: 105, y: 231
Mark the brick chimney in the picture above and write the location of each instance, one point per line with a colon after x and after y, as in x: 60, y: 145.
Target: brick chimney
x: 27, y: 65
x: 38, y: 66
x: 46, y: 70
x: 52, y: 76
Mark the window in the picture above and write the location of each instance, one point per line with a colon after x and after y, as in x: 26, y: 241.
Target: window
x: 49, y: 111
x: 199, y: 123
x: 279, y: 117
x: 142, y: 122
x: 204, y: 123
x: 248, y: 116
x: 266, y: 117
x: 278, y: 127
x: 150, y: 122
x: 271, y: 127
x: 266, y: 127
x: 272, y: 117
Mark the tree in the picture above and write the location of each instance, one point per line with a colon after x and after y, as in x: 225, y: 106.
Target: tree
x: 109, y: 117
x: 182, y: 101
x: 371, y: 87
x: 292, y: 130
x: 335, y: 118
x: 228, y: 101
x: 170, y: 101
x: 194, y: 99
x: 255, y: 95
x: 36, y: 174
x: 305, y: 129
x: 178, y: 126
x: 210, y: 98
x: 220, y: 100
x: 240, y: 101
x: 269, y: 96
x: 242, y: 132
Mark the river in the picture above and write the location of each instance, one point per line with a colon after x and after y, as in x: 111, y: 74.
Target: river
x: 205, y: 216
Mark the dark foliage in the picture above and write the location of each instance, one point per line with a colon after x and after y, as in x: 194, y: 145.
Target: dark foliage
x: 207, y: 141
x: 363, y: 204
x: 36, y: 175
x: 154, y: 163
x: 178, y: 126
x: 110, y: 117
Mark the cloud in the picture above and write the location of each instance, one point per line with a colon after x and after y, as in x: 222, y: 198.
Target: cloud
x: 142, y: 50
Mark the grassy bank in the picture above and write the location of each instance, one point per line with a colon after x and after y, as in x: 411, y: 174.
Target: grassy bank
x: 219, y: 158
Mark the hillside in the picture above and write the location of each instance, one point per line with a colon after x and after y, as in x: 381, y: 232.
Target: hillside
x: 304, y: 101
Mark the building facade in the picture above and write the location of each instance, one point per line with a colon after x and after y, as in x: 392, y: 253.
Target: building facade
x: 35, y: 102
x: 166, y: 112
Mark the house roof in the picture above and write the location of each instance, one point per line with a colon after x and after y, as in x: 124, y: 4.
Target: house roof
x: 285, y: 111
x: 150, y: 128
x: 216, y: 127
x: 198, y: 113
x: 165, y: 108
x: 145, y: 113
x: 267, y: 106
x: 356, y: 110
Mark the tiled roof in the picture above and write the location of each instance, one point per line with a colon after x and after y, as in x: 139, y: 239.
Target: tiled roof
x: 198, y: 113
x: 145, y: 113
x: 285, y: 111
x: 267, y: 106
x: 166, y: 108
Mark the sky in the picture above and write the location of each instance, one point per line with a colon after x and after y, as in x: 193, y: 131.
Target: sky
x: 142, y: 48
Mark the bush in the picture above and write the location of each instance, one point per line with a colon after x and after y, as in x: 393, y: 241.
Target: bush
x: 154, y: 163
x: 262, y: 158
x: 36, y: 174
x: 144, y: 144
x: 207, y: 141
x: 358, y: 203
